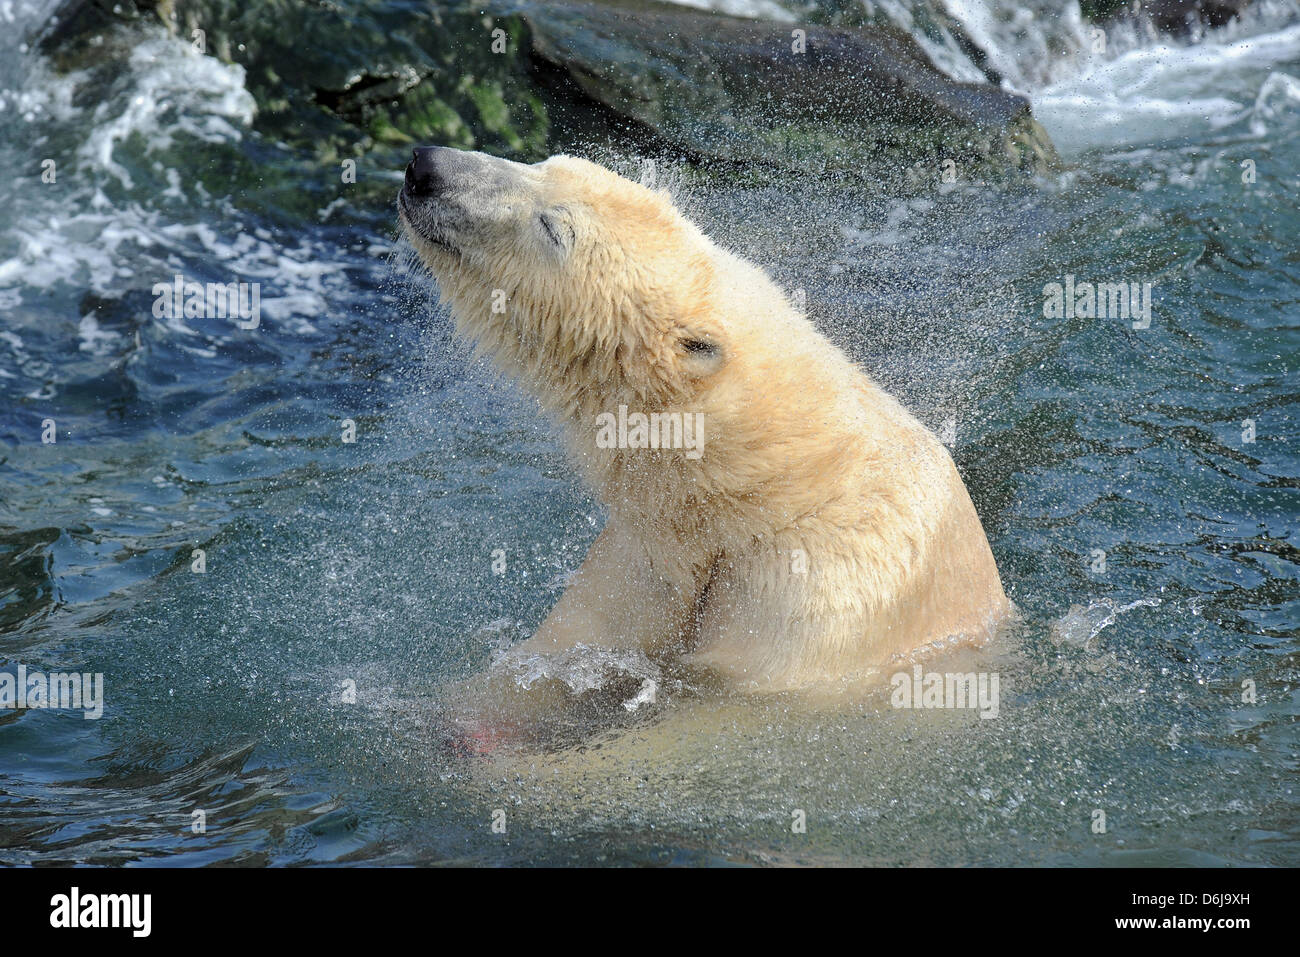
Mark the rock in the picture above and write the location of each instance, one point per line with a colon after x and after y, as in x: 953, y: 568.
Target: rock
x: 1171, y: 16
x: 814, y: 99
x: 70, y: 20
x: 1178, y: 16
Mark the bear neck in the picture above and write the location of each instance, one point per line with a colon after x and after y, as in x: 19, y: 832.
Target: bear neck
x: 576, y: 380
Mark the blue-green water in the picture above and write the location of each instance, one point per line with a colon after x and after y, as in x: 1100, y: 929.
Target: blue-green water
x: 370, y: 562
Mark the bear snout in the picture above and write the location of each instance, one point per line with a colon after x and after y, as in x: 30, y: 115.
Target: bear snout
x: 426, y: 173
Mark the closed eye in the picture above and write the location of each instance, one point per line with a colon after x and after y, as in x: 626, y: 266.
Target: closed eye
x: 558, y: 233
x: 700, y: 347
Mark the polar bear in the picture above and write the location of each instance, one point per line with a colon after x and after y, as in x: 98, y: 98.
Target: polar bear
x: 776, y: 521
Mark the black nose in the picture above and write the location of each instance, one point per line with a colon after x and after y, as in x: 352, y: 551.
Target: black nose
x: 422, y: 176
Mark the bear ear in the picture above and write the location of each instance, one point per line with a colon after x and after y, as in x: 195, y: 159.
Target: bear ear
x: 556, y: 228
x: 699, y: 346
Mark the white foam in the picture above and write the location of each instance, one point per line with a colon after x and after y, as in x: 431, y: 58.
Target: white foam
x: 1166, y: 90
x: 1028, y: 42
x: 582, y: 667
x: 80, y: 233
x: 72, y: 232
x: 1277, y: 97
x: 1080, y: 626
x: 750, y: 9
x: 94, y: 339
x: 176, y: 90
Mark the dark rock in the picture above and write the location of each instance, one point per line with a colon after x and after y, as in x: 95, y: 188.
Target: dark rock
x: 1171, y: 16
x: 1177, y: 16
x: 74, y: 21
x: 720, y: 87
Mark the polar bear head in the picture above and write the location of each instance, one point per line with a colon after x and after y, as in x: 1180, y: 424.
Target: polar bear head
x: 569, y: 276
